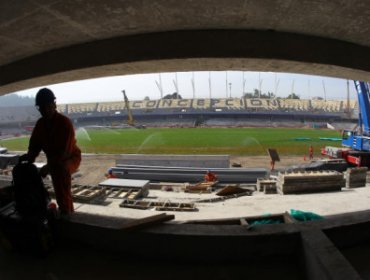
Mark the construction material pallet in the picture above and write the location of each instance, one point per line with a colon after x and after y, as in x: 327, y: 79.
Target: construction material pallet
x: 81, y: 193
x: 86, y: 193
x: 134, y: 188
x: 309, y: 182
x: 159, y: 206
x: 120, y: 193
x: 267, y: 186
x: 356, y: 177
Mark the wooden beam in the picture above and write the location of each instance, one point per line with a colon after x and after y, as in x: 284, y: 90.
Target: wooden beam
x: 146, y: 222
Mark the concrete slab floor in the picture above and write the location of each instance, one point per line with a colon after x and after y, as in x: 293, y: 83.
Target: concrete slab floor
x: 326, y: 203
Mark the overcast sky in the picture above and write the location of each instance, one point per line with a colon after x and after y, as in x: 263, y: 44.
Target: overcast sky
x: 223, y: 84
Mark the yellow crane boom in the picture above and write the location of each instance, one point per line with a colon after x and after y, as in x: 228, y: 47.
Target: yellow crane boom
x: 130, y: 119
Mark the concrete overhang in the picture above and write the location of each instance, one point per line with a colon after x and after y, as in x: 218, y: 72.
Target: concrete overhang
x: 45, y: 42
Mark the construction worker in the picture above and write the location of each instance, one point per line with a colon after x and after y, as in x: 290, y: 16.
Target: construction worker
x: 54, y: 134
x: 210, y: 177
x: 272, y: 165
x: 110, y: 174
x: 310, y: 152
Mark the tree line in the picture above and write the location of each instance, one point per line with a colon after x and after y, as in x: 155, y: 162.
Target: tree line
x: 255, y: 94
x: 12, y: 100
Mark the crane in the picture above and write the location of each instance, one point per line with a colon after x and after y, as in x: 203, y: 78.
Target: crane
x: 130, y: 119
x: 356, y: 142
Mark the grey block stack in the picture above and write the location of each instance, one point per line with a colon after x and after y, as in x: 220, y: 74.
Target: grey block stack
x: 309, y: 182
x: 267, y: 186
x: 356, y: 177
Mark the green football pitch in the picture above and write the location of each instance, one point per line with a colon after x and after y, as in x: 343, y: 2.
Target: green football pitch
x: 233, y: 141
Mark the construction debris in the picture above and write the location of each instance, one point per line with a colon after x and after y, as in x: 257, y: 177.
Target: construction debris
x: 230, y: 190
x: 222, y: 198
x: 309, y: 182
x: 356, y: 177
x: 202, y: 187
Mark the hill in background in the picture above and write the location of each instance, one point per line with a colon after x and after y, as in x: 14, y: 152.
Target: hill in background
x: 11, y: 100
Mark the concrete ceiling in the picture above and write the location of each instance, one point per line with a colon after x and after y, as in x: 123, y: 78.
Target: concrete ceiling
x: 45, y: 41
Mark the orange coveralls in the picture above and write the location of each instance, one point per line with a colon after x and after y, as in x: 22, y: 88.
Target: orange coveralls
x: 57, y: 139
x: 310, y: 151
x: 210, y: 177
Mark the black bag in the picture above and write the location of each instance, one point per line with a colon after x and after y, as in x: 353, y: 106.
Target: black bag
x: 31, y: 197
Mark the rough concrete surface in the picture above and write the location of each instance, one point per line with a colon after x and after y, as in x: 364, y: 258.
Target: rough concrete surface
x: 46, y: 42
x: 94, y: 167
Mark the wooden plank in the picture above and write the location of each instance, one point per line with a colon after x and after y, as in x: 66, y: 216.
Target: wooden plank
x: 146, y: 222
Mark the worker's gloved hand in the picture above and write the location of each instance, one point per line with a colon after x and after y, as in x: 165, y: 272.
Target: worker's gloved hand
x: 44, y: 171
x: 24, y: 158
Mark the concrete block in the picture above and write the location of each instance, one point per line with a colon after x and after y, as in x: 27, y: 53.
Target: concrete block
x: 356, y: 177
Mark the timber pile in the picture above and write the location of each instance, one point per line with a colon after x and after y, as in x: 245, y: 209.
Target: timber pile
x: 356, y: 177
x: 309, y: 182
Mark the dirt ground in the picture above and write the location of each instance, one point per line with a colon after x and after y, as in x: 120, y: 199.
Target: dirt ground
x: 94, y: 167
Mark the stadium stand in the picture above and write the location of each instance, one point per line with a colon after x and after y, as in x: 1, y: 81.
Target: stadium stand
x: 110, y: 106
x: 214, y: 112
x: 332, y: 106
x: 294, y: 105
x: 261, y: 104
x: 201, y: 103
x: 82, y: 108
x: 62, y: 108
x: 228, y: 103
